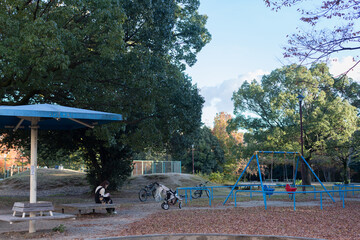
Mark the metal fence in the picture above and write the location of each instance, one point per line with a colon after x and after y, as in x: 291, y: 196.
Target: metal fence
x: 142, y: 167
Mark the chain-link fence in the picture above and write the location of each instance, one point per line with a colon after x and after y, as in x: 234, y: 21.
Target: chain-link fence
x: 149, y: 167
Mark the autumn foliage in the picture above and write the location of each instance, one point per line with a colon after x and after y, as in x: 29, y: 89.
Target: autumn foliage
x: 230, y: 142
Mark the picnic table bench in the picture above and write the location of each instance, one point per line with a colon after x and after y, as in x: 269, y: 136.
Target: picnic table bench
x: 26, y: 207
x: 89, y: 206
x: 38, y: 209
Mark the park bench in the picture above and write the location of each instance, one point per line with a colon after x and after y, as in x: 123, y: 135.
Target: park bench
x: 88, y: 206
x: 39, y: 210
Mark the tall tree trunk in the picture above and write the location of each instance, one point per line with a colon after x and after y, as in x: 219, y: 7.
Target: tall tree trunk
x: 306, y: 179
x: 324, y: 173
x: 346, y: 180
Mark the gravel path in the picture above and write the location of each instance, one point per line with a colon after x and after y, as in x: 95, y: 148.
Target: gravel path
x: 87, y: 226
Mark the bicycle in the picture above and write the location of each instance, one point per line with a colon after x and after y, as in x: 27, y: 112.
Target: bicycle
x: 198, y: 193
x: 147, y: 191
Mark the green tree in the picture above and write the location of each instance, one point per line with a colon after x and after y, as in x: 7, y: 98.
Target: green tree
x: 118, y: 56
x: 274, y: 122
x: 208, y: 154
x: 344, y: 151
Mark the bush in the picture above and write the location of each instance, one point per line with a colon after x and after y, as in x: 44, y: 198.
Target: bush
x: 217, y: 177
x: 60, y: 228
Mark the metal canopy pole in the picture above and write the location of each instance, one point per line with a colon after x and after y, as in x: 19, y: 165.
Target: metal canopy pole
x: 33, y: 162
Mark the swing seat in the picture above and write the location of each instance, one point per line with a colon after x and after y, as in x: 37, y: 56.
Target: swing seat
x: 269, y: 191
x: 290, y: 189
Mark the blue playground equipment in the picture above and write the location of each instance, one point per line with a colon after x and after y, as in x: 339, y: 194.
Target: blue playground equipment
x: 265, y: 189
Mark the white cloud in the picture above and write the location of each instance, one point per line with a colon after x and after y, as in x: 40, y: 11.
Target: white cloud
x: 218, y: 98
x: 340, y: 66
x: 209, y: 112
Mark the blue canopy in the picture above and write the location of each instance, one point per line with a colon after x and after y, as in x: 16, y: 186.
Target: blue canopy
x: 53, y: 117
x: 47, y: 116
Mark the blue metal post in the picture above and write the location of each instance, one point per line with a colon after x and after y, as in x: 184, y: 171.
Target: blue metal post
x: 262, y: 187
x: 238, y: 180
x: 209, y: 197
x: 212, y: 193
x: 235, y: 197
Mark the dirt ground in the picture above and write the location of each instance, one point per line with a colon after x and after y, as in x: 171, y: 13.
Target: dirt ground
x: 249, y: 217
x: 90, y: 225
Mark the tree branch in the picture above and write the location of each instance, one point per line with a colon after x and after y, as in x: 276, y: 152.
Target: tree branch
x: 36, y: 9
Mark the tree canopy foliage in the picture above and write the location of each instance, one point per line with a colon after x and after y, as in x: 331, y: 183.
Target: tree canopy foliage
x: 340, y: 34
x: 207, y: 150
x: 123, y: 56
x: 269, y: 110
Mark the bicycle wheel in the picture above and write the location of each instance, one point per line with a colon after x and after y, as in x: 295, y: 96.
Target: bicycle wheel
x: 197, y: 194
x: 207, y: 192
x: 142, y: 195
x: 180, y: 205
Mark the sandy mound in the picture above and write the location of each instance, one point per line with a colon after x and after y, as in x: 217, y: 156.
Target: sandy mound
x: 68, y: 182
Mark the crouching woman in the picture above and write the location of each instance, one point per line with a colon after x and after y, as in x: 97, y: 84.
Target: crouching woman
x: 102, y: 197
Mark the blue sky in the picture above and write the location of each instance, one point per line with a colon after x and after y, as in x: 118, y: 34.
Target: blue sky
x: 247, y: 42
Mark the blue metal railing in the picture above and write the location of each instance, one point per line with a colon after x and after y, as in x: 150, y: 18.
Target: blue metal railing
x: 342, y: 194
x: 190, y: 189
x: 346, y: 187
x: 210, y: 189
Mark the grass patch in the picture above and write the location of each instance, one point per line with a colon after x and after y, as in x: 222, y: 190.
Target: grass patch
x: 61, y: 228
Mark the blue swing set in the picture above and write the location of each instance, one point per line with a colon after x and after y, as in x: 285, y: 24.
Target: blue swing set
x: 267, y: 191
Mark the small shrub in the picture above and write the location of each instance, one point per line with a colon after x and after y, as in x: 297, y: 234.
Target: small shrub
x: 202, y: 175
x: 298, y: 182
x: 217, y: 177
x: 60, y: 228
